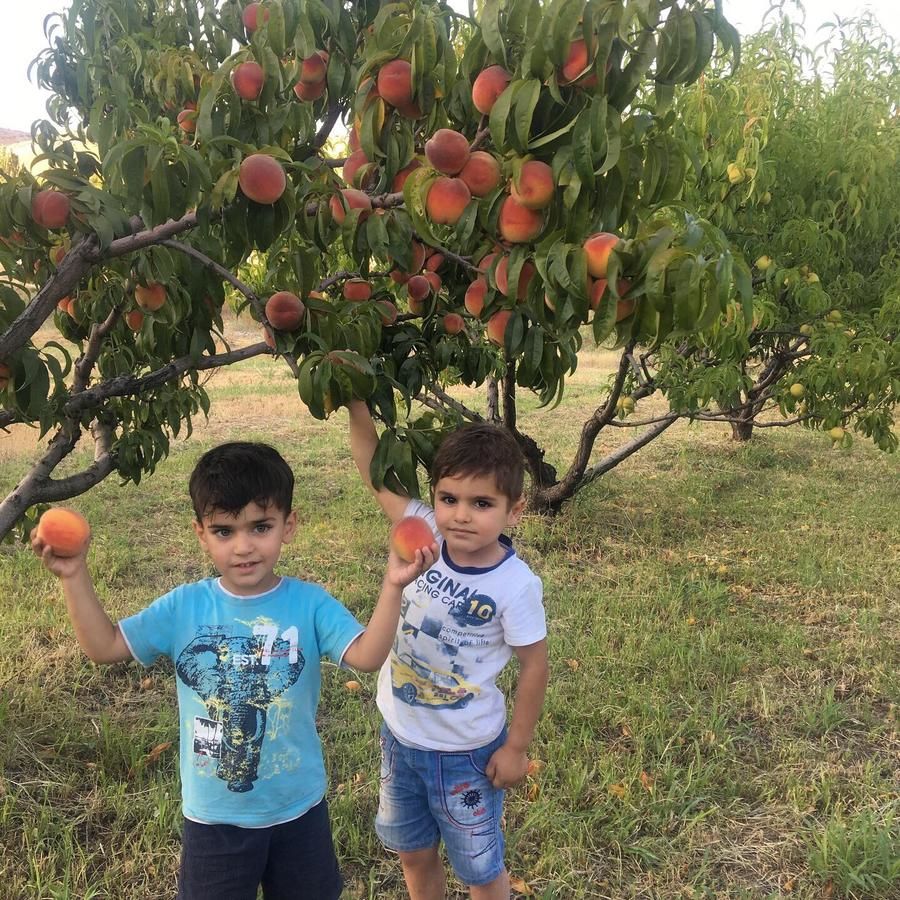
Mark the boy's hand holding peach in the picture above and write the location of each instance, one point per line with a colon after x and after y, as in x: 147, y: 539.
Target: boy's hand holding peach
x: 61, y: 539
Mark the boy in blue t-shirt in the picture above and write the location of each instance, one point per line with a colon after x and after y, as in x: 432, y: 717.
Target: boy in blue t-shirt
x: 246, y: 648
x: 447, y: 753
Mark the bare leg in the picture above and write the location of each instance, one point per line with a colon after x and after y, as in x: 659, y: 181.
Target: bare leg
x: 498, y: 889
x: 424, y: 874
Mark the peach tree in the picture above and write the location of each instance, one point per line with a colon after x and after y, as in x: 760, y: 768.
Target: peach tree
x: 797, y: 160
x: 513, y: 179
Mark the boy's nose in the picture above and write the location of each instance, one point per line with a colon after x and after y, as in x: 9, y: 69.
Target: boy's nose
x: 243, y: 545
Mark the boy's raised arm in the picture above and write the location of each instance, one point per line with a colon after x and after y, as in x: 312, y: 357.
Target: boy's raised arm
x: 363, y: 443
x: 100, y: 639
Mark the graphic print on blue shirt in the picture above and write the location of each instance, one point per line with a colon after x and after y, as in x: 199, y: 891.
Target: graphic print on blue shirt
x: 238, y: 678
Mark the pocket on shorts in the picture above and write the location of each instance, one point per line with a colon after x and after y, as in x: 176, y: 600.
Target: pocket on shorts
x: 467, y: 795
x: 388, y: 752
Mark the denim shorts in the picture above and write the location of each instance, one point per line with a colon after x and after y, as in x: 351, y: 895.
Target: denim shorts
x: 292, y: 861
x: 429, y: 795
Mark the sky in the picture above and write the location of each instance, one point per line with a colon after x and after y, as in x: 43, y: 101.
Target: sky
x: 21, y: 39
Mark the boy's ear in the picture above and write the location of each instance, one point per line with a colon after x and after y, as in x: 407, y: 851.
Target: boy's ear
x: 200, y: 531
x: 515, y: 511
x: 290, y: 527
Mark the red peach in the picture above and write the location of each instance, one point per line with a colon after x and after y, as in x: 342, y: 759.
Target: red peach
x: 434, y: 280
x: 410, y: 534
x: 395, y: 82
x: 314, y: 68
x: 355, y: 161
x: 447, y: 151
x: 357, y: 289
x: 434, y: 262
x: 526, y: 273
x: 404, y: 173
x: 150, y: 297
x: 262, y: 178
x: 447, y: 200
x: 65, y: 531
x: 535, y: 186
x: 496, y: 326
x: 285, y: 311
x: 387, y: 311
x: 517, y: 223
x: 576, y: 62
x: 597, y: 249
x: 481, y: 173
x: 354, y: 200
x: 250, y: 17
x: 248, y: 79
x: 187, y: 118
x: 418, y: 288
x: 50, y: 208
x: 475, y: 295
x: 309, y: 92
x: 488, y: 86
x: 454, y: 323
x: 134, y: 320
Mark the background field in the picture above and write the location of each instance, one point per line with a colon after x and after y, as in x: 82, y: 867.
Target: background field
x: 722, y: 714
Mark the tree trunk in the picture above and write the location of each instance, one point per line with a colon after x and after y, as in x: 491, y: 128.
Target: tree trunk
x: 493, y: 401
x: 741, y: 429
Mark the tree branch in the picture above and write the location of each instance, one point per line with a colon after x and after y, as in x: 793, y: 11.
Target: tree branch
x: 125, y: 385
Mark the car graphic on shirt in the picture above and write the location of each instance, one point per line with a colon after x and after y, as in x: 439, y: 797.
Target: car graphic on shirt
x: 414, y: 682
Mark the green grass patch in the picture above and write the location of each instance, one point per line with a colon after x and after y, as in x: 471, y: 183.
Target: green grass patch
x: 722, y: 713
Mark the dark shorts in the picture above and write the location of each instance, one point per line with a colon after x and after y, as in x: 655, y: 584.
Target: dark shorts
x: 292, y: 861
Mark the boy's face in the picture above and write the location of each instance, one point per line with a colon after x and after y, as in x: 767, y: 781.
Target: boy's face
x: 245, y: 548
x: 471, y: 514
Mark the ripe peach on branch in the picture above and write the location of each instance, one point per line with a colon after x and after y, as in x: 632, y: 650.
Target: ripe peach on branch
x: 262, y: 179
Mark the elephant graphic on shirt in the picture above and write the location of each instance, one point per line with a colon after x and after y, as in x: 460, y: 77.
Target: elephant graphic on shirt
x: 238, y: 684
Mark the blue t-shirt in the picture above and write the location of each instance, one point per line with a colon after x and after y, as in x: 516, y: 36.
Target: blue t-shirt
x: 248, y: 677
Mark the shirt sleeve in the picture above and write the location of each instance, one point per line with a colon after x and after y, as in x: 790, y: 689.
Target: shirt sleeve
x: 336, y: 628
x: 524, y: 621
x: 150, y: 633
x: 423, y: 511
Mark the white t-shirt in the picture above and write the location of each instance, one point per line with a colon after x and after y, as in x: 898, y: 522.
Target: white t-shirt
x: 458, y: 625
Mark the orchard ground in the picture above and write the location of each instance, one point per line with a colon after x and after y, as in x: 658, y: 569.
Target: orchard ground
x: 722, y: 713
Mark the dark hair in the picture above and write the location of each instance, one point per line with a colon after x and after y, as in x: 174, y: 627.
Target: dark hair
x: 230, y: 476
x: 482, y: 449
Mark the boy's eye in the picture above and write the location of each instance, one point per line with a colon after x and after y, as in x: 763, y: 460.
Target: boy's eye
x: 483, y: 504
x: 449, y: 500
x: 262, y: 529
x: 221, y: 532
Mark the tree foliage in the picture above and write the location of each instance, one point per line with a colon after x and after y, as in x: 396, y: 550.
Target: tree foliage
x: 158, y: 105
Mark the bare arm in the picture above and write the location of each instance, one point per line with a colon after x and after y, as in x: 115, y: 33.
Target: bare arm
x: 371, y: 648
x: 363, y: 443
x: 509, y: 764
x: 100, y: 639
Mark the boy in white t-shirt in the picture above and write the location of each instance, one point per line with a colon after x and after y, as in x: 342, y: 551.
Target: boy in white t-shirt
x: 447, y: 754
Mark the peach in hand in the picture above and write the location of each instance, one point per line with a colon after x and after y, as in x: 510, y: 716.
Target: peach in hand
x: 64, y: 531
x: 409, y: 534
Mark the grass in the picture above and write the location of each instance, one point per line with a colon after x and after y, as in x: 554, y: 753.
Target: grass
x: 722, y: 715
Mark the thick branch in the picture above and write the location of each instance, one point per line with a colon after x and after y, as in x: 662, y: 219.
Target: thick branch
x: 445, y: 401
x: 622, y: 453
x: 509, y: 396
x: 331, y: 117
x: 553, y: 496
x: 148, y: 238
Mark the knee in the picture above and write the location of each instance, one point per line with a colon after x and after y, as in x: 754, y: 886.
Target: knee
x: 420, y: 860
